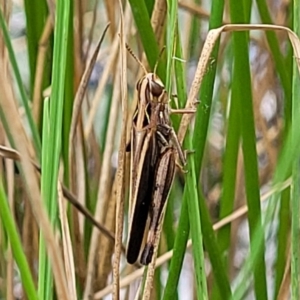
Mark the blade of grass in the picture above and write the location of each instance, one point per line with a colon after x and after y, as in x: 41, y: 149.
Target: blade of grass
x: 24, y: 99
x: 149, y: 5
x: 178, y: 252
x: 171, y: 40
x: 52, y: 135
x: 251, y: 263
x: 193, y: 204
x: 229, y: 179
x: 295, y: 265
x: 295, y: 261
x: 45, y: 282
x: 242, y: 93
x: 274, y: 47
x: 200, y: 133
x: 199, y: 140
x: 10, y: 226
x: 195, y: 31
x: 36, y: 15
x: 19, y: 141
x: 195, y: 223
x: 282, y: 238
x: 68, y: 98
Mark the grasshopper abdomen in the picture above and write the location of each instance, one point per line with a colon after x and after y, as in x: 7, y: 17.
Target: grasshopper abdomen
x: 163, y: 178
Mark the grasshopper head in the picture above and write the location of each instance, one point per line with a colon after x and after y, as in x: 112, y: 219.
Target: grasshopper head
x: 157, y: 89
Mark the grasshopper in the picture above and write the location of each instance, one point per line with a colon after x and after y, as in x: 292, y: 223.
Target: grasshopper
x: 153, y: 147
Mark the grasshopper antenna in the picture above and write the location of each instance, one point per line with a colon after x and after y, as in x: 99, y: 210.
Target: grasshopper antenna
x: 159, y: 57
x: 136, y: 58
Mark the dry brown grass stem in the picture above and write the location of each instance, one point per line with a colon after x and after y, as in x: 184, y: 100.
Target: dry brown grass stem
x: 91, y: 31
x: 66, y: 244
x: 105, y: 178
x: 101, y: 86
x: 194, y: 9
x: 120, y: 175
x: 158, y: 18
x: 80, y: 95
x: 40, y: 64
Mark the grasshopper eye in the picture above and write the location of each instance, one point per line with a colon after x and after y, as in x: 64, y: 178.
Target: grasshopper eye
x: 156, y: 88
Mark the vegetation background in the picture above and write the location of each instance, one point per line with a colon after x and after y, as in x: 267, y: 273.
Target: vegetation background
x: 239, y: 201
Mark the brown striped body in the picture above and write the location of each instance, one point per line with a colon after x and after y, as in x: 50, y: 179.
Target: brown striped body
x: 153, y: 147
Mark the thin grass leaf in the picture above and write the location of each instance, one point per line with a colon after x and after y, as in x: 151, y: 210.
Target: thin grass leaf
x: 171, y: 40
x: 120, y: 203
x: 66, y: 244
x: 295, y: 195
x: 68, y: 96
x: 52, y: 135
x: 229, y: 185
x: 178, y: 252
x: 24, y: 98
x: 36, y: 15
x: 19, y: 141
x: 283, y: 239
x: 45, y: 282
x: 199, y: 141
x: 244, y: 278
x: 195, y: 32
x: 274, y: 47
x: 183, y: 227
x: 195, y: 224
x: 242, y: 94
x: 16, y: 245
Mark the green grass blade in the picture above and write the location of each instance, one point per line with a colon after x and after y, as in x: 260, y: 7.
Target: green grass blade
x: 282, y: 238
x: 229, y: 176
x: 195, y: 223
x: 229, y: 185
x: 199, y: 141
x: 45, y: 282
x: 206, y: 89
x: 57, y: 99
x: 69, y: 98
x: 36, y: 15
x: 276, y: 53
x: 169, y: 219
x: 24, y: 99
x: 149, y: 5
x: 171, y: 40
x: 193, y: 206
x: 295, y: 261
x: 178, y: 252
x: 195, y: 32
x: 200, y: 134
x: 214, y: 253
x: 16, y: 245
x: 51, y: 150
x: 257, y: 244
x: 243, y: 95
